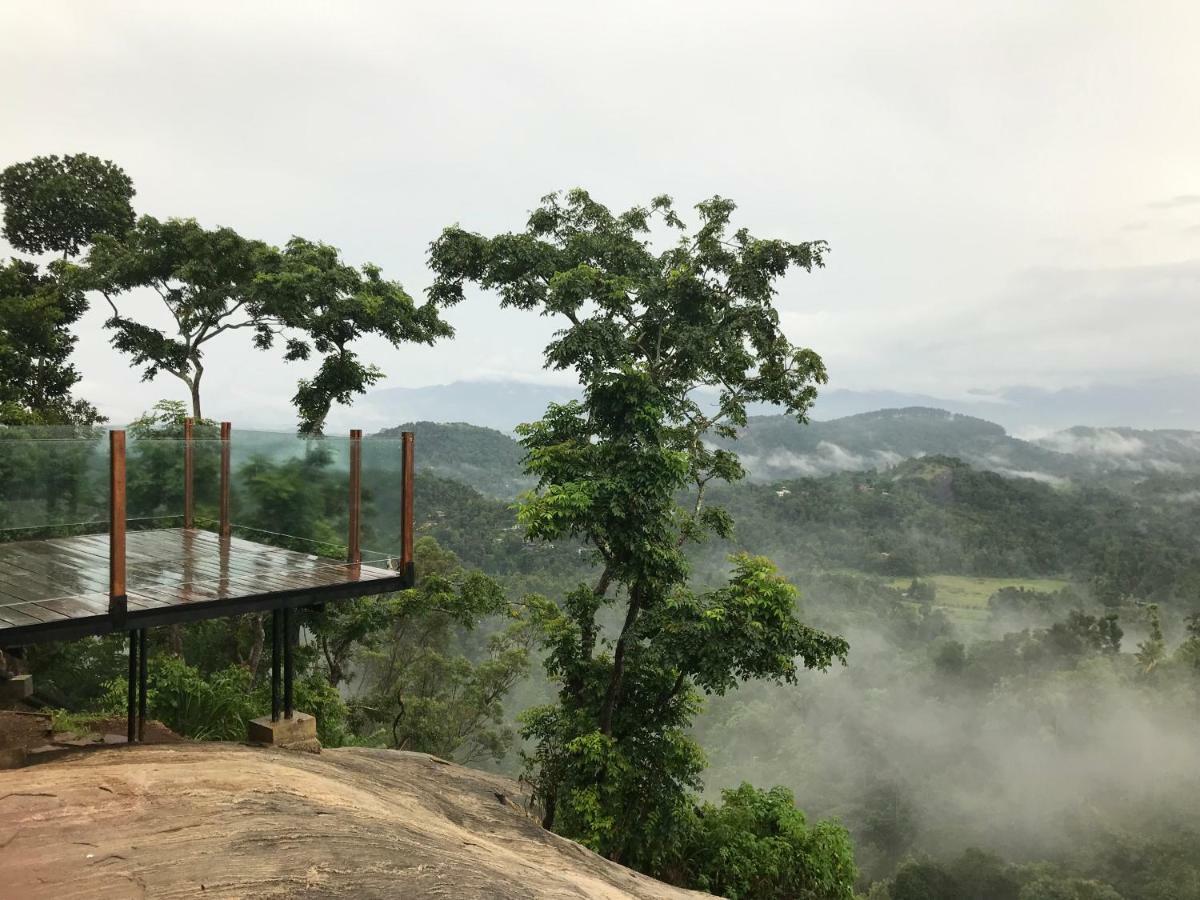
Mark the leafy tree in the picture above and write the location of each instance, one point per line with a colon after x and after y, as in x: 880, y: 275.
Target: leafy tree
x: 36, y: 376
x: 757, y: 846
x: 51, y: 205
x: 58, y: 204
x: 204, y: 278
x: 331, y: 304
x: 419, y: 690
x: 1153, y: 649
x: 214, y: 281
x: 1189, y: 650
x: 612, y: 763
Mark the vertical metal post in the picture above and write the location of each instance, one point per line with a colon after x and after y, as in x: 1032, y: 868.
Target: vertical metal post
x: 131, y: 703
x: 188, y: 500
x: 116, y: 523
x: 406, y: 512
x: 355, y: 551
x: 276, y: 635
x: 225, y: 429
x: 141, y: 723
x: 288, y: 666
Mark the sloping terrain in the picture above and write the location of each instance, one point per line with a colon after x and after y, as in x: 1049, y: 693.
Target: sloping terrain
x: 227, y: 820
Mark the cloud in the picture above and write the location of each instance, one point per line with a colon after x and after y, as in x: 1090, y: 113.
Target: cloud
x: 1179, y: 200
x: 1104, y: 443
x: 828, y: 457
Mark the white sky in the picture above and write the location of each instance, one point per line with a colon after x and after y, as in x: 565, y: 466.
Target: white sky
x: 1011, y: 190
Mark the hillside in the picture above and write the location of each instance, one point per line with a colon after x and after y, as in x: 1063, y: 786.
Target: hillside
x: 484, y: 458
x: 227, y: 820
x: 777, y: 447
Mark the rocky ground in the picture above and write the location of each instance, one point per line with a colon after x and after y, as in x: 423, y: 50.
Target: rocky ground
x: 229, y: 820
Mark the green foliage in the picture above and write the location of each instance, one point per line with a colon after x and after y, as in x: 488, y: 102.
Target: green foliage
x: 419, y: 690
x: 58, y: 204
x: 757, y: 846
x: 73, y: 675
x: 212, y: 707
x: 1153, y: 650
x: 205, y: 279
x: 976, y: 875
x: 37, y: 309
x: 154, y: 472
x: 215, y: 281
x: 328, y: 305
x: 611, y: 763
x: 483, y: 458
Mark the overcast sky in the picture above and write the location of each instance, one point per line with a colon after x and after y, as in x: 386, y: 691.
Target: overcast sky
x: 1011, y: 190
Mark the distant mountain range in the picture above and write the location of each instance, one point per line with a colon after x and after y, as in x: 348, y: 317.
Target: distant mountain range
x: 1165, y: 403
x: 777, y: 447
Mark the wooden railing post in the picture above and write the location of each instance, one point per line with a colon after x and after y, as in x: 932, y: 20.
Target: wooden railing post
x: 224, y: 527
x: 188, y: 517
x: 355, y: 552
x: 406, y: 513
x: 117, y: 601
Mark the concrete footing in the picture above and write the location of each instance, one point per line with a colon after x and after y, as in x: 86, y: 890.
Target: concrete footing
x: 297, y: 733
x: 17, y: 687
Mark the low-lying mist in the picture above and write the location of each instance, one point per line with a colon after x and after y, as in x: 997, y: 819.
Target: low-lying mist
x: 1042, y: 744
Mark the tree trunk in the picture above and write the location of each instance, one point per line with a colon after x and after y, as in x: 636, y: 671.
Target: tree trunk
x: 618, y: 671
x: 194, y: 385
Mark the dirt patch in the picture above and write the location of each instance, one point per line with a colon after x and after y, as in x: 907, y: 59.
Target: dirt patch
x: 155, y: 733
x: 34, y: 731
x: 228, y: 820
x: 23, y: 730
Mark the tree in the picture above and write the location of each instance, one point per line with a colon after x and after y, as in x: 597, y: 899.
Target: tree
x: 757, y: 846
x: 644, y: 331
x: 58, y: 204
x: 331, y: 304
x: 420, y: 688
x: 214, y: 281
x: 1153, y: 650
x: 203, y: 277
x: 36, y: 376
x: 51, y: 205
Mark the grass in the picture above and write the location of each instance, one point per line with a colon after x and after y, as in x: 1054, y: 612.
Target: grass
x: 968, y: 592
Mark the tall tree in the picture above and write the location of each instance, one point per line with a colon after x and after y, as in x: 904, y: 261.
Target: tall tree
x: 58, y: 204
x: 646, y: 332
x: 204, y: 278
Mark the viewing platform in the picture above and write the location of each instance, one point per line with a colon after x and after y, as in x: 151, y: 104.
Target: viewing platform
x: 100, y: 537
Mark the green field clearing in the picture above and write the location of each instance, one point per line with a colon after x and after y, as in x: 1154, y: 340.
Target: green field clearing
x: 968, y: 592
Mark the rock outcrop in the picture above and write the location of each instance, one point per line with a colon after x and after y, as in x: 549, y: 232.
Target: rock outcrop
x: 228, y: 820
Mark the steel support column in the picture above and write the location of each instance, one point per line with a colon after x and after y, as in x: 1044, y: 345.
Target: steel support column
x: 276, y: 638
x: 288, y: 664
x: 141, y: 724
x: 131, y: 706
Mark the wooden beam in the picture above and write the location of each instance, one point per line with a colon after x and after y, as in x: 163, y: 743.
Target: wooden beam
x: 116, y: 518
x: 354, y: 553
x: 406, y: 514
x: 225, y: 526
x: 188, y: 502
